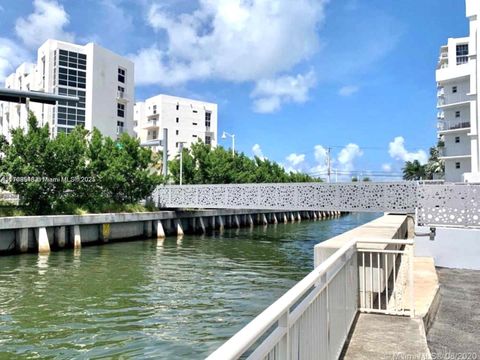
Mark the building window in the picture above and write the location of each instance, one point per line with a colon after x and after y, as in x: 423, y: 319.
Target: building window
x: 178, y: 106
x: 462, y: 54
x: 457, y: 165
x: 120, y: 110
x: 177, y: 132
x: 154, y: 109
x: 154, y: 134
x: 177, y: 120
x: 457, y: 114
x: 457, y: 139
x: 195, y: 111
x: 121, y: 75
x: 208, y: 117
x: 454, y: 89
x: 194, y: 136
x: 194, y: 124
x: 208, y: 140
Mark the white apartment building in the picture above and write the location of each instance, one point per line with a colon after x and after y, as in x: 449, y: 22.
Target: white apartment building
x: 101, y: 79
x: 458, y: 106
x: 187, y: 121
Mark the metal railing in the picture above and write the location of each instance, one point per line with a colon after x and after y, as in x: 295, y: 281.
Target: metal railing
x: 313, y: 319
x: 444, y: 125
x: 445, y: 204
x: 386, y: 278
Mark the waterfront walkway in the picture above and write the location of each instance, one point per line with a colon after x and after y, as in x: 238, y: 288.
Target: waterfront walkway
x: 387, y: 337
x: 456, y: 328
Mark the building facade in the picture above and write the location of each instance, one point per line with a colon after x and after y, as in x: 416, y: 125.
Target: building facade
x: 458, y: 106
x: 102, y: 80
x: 187, y: 121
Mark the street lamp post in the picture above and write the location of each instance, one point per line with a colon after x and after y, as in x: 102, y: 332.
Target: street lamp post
x: 180, y: 148
x: 224, y: 136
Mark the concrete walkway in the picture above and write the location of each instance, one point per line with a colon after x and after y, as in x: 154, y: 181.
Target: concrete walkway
x: 456, y: 328
x: 387, y: 337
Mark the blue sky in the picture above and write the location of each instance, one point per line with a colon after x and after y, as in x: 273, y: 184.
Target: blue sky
x: 291, y: 78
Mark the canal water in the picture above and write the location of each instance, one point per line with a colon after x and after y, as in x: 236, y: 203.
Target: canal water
x: 171, y: 299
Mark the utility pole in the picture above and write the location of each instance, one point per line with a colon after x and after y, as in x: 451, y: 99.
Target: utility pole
x: 329, y: 164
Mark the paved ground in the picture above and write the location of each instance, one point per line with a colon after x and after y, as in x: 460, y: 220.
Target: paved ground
x: 387, y: 337
x: 455, y: 333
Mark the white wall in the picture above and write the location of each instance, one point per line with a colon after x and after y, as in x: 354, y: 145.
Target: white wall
x: 452, y: 174
x: 102, y: 86
x: 452, y: 248
x: 191, y: 121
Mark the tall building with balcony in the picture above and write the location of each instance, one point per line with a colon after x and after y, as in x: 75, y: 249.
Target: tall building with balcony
x: 102, y: 80
x: 187, y: 121
x: 458, y: 106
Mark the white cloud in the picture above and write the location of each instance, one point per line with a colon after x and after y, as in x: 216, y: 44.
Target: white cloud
x: 11, y: 55
x: 46, y: 22
x: 294, y: 162
x: 257, y: 151
x: 397, y: 150
x: 348, y: 155
x: 233, y: 40
x: 348, y: 90
x: 387, y: 167
x: 296, y: 159
x: 269, y: 94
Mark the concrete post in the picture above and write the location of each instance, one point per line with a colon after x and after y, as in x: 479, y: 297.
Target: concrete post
x: 21, y: 240
x: 275, y: 221
x: 299, y: 217
x: 292, y: 218
x: 77, y: 238
x: 160, y: 230
x: 250, y: 220
x: 213, y: 222
x: 236, y: 221
x: 202, y: 225
x: 285, y: 219
x: 179, y: 228
x: 264, y: 220
x: 60, y: 236
x: 42, y: 240
x: 221, y: 224
x: 307, y: 215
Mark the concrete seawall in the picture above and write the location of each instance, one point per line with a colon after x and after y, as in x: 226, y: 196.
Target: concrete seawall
x: 44, y: 233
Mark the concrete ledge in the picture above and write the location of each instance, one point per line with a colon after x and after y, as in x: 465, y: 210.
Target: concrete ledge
x: 19, y: 222
x: 386, y: 227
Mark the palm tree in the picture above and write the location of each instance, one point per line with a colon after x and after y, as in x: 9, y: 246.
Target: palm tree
x: 413, y: 170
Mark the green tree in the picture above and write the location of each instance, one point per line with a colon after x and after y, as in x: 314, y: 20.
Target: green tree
x: 413, y: 170
x: 43, y: 170
x: 203, y: 164
x: 122, y: 170
x: 435, y: 167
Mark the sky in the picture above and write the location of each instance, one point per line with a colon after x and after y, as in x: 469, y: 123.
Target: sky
x: 291, y: 78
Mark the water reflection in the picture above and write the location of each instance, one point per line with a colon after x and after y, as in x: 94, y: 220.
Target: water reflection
x: 161, y: 298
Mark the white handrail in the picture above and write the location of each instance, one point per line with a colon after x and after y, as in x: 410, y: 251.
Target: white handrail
x: 334, y: 275
x: 246, y: 337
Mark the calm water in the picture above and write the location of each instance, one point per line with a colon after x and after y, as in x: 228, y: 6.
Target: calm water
x: 152, y: 299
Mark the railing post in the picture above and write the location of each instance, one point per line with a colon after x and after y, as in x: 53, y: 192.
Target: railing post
x: 411, y: 255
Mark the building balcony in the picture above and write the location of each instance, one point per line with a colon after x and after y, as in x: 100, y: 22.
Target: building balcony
x: 120, y: 130
x: 447, y: 153
x: 452, y: 100
x: 440, y: 115
x: 440, y: 92
x: 152, y: 124
x: 449, y: 125
x: 121, y: 96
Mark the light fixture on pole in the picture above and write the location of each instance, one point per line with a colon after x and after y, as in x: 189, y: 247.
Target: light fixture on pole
x: 224, y: 136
